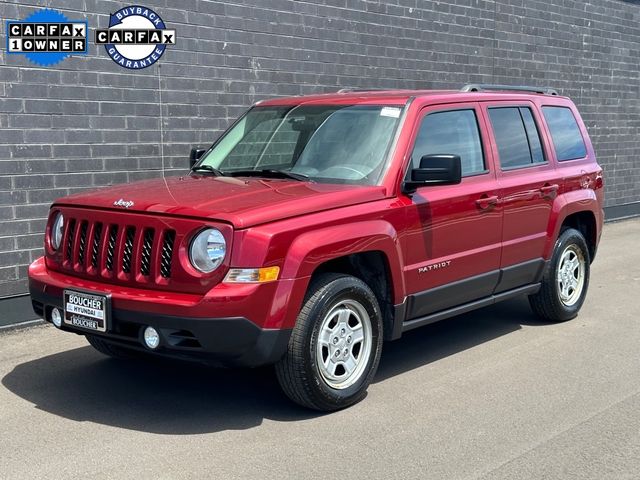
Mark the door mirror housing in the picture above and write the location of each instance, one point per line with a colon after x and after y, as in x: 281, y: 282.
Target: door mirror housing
x: 195, y: 155
x: 437, y: 169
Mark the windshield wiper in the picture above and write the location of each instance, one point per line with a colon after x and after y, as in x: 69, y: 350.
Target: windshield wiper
x: 208, y: 168
x: 269, y: 173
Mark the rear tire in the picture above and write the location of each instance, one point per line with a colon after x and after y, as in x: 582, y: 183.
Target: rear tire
x: 335, y: 347
x: 111, y: 350
x: 565, y: 280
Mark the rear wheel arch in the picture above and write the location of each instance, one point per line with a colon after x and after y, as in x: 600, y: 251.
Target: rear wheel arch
x: 585, y: 222
x: 577, y: 209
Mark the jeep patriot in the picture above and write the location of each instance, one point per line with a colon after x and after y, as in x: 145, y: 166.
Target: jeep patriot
x: 317, y: 227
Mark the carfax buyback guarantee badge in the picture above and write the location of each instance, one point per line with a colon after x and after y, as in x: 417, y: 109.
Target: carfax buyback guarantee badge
x: 136, y: 38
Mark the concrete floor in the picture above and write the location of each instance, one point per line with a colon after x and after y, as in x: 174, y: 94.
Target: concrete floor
x: 494, y: 394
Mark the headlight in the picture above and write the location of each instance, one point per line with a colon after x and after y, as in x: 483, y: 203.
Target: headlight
x: 56, y: 231
x: 207, y: 251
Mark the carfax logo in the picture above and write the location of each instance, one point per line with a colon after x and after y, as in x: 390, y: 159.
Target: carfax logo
x: 136, y: 38
x: 47, y: 37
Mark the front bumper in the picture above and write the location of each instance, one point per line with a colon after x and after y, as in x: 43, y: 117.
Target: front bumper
x: 185, y: 333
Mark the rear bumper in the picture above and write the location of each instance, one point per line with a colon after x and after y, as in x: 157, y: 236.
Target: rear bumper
x: 185, y: 332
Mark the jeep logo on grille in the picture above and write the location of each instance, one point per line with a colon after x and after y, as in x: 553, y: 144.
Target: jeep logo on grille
x: 123, y: 203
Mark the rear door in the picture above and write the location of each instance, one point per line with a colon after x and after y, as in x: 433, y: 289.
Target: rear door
x: 529, y: 183
x: 452, y: 243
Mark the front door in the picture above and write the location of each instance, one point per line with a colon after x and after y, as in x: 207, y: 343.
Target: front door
x: 453, y: 240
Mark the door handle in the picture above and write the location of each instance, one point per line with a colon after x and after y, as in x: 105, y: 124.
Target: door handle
x: 549, y: 191
x: 485, y: 202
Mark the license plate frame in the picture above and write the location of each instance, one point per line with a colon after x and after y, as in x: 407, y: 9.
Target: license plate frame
x: 81, y: 312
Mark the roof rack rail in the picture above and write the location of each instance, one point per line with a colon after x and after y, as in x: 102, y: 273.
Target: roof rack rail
x: 358, y: 89
x: 480, y: 87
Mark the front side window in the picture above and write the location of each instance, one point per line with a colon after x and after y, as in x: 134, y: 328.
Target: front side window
x: 328, y: 143
x: 567, y: 139
x: 453, y: 132
x: 517, y: 137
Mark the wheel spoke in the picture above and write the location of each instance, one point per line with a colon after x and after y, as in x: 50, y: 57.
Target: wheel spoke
x: 324, y: 337
x: 349, y: 365
x: 358, y: 335
x: 343, y: 317
x: 327, y: 361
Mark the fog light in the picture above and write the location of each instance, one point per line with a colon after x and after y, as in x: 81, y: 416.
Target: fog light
x: 56, y: 317
x: 151, y: 338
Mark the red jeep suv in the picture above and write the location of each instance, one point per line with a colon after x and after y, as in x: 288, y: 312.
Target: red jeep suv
x: 318, y: 226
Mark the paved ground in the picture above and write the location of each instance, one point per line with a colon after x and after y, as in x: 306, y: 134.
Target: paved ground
x: 490, y: 395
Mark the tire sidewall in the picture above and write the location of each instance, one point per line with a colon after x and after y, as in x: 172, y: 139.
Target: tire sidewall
x: 342, y: 289
x: 567, y: 238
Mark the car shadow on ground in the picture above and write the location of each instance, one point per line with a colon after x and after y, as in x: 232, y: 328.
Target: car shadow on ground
x: 175, y: 398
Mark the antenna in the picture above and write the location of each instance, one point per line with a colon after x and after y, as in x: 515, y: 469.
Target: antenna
x: 161, y: 121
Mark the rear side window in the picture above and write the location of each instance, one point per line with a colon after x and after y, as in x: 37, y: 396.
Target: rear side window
x: 517, y: 137
x: 567, y: 139
x: 452, y: 132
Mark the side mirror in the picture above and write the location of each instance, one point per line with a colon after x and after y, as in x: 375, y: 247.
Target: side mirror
x: 195, y: 155
x: 437, y: 169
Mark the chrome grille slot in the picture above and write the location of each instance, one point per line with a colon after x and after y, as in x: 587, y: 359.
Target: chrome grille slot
x: 82, y: 241
x: 95, y: 244
x: 70, y: 232
x: 127, y: 252
x: 145, y: 253
x: 167, y: 253
x: 111, y: 246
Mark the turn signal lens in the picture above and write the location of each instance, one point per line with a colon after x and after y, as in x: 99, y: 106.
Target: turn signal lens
x: 252, y: 275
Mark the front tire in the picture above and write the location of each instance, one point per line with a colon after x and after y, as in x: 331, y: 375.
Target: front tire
x: 335, y: 347
x: 565, y: 280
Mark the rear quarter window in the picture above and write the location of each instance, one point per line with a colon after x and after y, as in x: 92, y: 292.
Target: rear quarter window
x: 567, y: 139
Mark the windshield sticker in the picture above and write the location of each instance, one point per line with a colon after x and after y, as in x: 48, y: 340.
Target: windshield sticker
x: 393, y: 112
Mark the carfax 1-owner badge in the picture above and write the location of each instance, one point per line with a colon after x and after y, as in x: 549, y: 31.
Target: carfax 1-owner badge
x: 47, y: 37
x: 136, y: 38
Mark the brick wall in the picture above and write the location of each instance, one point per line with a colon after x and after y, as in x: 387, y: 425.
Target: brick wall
x: 88, y: 122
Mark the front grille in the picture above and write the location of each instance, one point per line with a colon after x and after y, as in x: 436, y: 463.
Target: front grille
x: 123, y: 252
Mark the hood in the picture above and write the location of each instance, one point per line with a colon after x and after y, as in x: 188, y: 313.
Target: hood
x: 242, y: 202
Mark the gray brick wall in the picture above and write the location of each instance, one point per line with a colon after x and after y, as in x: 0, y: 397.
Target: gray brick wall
x: 88, y: 122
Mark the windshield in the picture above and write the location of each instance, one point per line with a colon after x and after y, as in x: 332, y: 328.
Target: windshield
x: 328, y: 143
